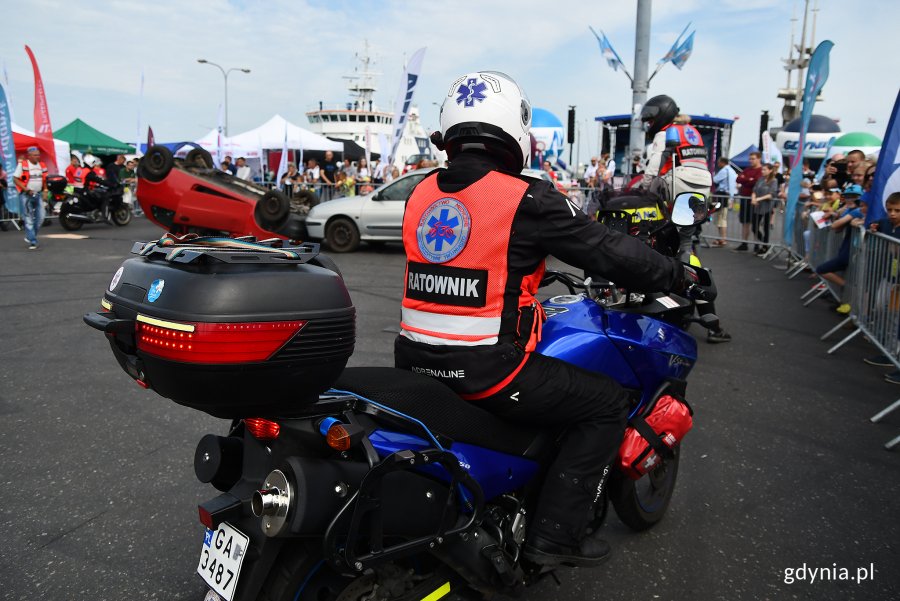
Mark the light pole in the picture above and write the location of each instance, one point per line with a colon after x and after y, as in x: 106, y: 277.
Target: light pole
x: 225, y: 73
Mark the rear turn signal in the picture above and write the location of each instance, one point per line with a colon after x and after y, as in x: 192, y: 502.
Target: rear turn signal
x: 262, y: 429
x: 338, y: 438
x: 215, y: 343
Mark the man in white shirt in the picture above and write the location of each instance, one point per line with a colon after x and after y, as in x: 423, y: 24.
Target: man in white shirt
x: 31, y: 180
x: 591, y: 173
x: 243, y: 170
x: 610, y: 166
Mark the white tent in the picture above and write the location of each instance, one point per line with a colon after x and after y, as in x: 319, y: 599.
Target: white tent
x: 230, y: 148
x: 270, y: 136
x: 62, y: 148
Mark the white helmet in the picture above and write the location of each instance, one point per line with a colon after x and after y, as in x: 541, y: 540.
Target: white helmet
x: 487, y: 110
x: 91, y: 161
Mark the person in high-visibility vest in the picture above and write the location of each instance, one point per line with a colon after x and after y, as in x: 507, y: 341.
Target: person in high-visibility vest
x: 31, y: 182
x: 476, y: 237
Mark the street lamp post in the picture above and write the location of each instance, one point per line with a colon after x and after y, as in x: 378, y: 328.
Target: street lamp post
x: 225, y: 73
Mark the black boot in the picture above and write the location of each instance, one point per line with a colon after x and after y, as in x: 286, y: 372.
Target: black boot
x: 591, y: 552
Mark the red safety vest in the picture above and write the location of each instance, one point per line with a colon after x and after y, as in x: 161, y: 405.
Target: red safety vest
x: 690, y: 150
x: 26, y: 174
x: 79, y: 176
x: 457, y: 245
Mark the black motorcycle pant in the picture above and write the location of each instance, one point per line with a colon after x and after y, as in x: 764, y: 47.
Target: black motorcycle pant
x: 590, y: 409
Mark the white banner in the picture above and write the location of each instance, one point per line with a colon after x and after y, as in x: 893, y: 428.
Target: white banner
x: 137, y: 139
x: 220, y: 134
x: 404, y: 99
x: 282, y: 164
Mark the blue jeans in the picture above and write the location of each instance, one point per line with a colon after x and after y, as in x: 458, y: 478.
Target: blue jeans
x: 32, y: 215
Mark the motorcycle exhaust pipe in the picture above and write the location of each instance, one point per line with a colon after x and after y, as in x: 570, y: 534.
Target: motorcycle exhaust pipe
x: 271, y: 504
x: 79, y: 217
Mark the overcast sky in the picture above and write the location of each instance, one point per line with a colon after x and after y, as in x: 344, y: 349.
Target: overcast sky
x: 91, y: 56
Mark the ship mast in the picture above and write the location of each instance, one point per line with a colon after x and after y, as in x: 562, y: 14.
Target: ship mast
x: 793, y: 94
x: 362, y: 81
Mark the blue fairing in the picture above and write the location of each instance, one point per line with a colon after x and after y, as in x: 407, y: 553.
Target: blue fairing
x: 634, y: 349
x: 496, y: 472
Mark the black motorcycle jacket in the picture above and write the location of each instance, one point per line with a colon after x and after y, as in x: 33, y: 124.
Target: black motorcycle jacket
x: 545, y: 223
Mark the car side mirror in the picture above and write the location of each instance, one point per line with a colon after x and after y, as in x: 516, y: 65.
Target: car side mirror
x: 378, y: 196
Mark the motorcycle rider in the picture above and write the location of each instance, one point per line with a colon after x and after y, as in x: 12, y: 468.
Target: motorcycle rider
x: 476, y: 237
x: 675, y: 138
x: 96, y: 175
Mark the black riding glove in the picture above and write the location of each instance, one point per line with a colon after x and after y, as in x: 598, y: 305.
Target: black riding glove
x: 697, y: 284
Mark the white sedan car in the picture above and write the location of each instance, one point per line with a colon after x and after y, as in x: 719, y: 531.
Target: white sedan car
x: 376, y: 217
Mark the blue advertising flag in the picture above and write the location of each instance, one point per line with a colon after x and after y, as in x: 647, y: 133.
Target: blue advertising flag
x: 684, y: 51
x: 816, y: 76
x: 608, y: 52
x: 8, y: 153
x: 887, y: 172
x: 671, y: 53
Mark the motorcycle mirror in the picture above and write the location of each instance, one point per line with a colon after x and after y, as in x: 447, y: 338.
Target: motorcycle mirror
x: 689, y: 209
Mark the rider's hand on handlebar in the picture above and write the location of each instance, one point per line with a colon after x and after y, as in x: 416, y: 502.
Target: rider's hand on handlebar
x: 696, y: 284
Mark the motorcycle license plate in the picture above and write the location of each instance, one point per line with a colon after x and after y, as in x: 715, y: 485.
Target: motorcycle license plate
x: 221, y: 557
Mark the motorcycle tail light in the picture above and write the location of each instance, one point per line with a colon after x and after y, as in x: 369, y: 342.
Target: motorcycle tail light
x: 262, y: 429
x: 215, y: 343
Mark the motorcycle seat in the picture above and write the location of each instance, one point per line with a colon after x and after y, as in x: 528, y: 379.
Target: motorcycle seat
x: 439, y: 408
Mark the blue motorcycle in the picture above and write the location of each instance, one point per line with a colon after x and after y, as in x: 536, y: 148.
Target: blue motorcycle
x: 389, y: 486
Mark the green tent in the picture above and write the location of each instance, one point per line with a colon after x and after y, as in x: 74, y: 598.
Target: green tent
x: 84, y: 138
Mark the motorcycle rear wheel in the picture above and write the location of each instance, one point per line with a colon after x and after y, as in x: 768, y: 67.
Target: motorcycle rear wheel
x: 300, y: 573
x: 642, y: 503
x: 71, y: 225
x: 122, y: 215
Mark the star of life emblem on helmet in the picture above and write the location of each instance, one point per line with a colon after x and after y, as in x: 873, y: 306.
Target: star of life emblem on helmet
x: 470, y: 91
x: 443, y: 230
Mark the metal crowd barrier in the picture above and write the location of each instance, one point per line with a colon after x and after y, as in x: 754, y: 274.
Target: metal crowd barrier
x: 9, y: 220
x: 821, y: 244
x: 734, y: 229
x: 874, y: 295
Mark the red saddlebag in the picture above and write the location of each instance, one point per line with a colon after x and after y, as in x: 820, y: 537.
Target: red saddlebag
x: 652, y: 438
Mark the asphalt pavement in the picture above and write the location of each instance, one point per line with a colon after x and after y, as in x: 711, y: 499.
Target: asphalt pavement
x: 782, y: 470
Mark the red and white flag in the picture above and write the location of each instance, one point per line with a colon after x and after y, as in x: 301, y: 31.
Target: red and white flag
x: 42, y: 128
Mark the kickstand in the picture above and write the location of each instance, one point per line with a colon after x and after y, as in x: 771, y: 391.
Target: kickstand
x: 556, y: 578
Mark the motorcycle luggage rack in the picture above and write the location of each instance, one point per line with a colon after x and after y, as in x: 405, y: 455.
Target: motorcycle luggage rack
x: 247, y: 249
x: 364, y: 509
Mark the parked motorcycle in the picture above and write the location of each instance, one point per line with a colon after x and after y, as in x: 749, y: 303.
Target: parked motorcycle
x: 373, y: 483
x: 87, y: 206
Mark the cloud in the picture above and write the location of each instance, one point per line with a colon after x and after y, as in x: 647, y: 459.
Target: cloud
x: 298, y: 52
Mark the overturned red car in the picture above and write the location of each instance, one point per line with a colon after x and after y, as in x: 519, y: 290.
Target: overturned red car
x: 192, y: 196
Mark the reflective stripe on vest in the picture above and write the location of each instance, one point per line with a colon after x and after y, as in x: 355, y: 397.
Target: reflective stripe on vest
x: 457, y: 246
x: 689, y: 139
x: 26, y: 174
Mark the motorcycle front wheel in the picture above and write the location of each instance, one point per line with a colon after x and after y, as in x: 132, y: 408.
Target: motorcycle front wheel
x: 642, y: 503
x: 122, y: 215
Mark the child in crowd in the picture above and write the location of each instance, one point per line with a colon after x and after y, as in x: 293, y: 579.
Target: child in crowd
x: 889, y: 226
x: 853, y: 214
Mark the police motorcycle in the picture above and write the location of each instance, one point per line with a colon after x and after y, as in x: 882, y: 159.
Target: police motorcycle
x: 103, y: 203
x: 372, y: 483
